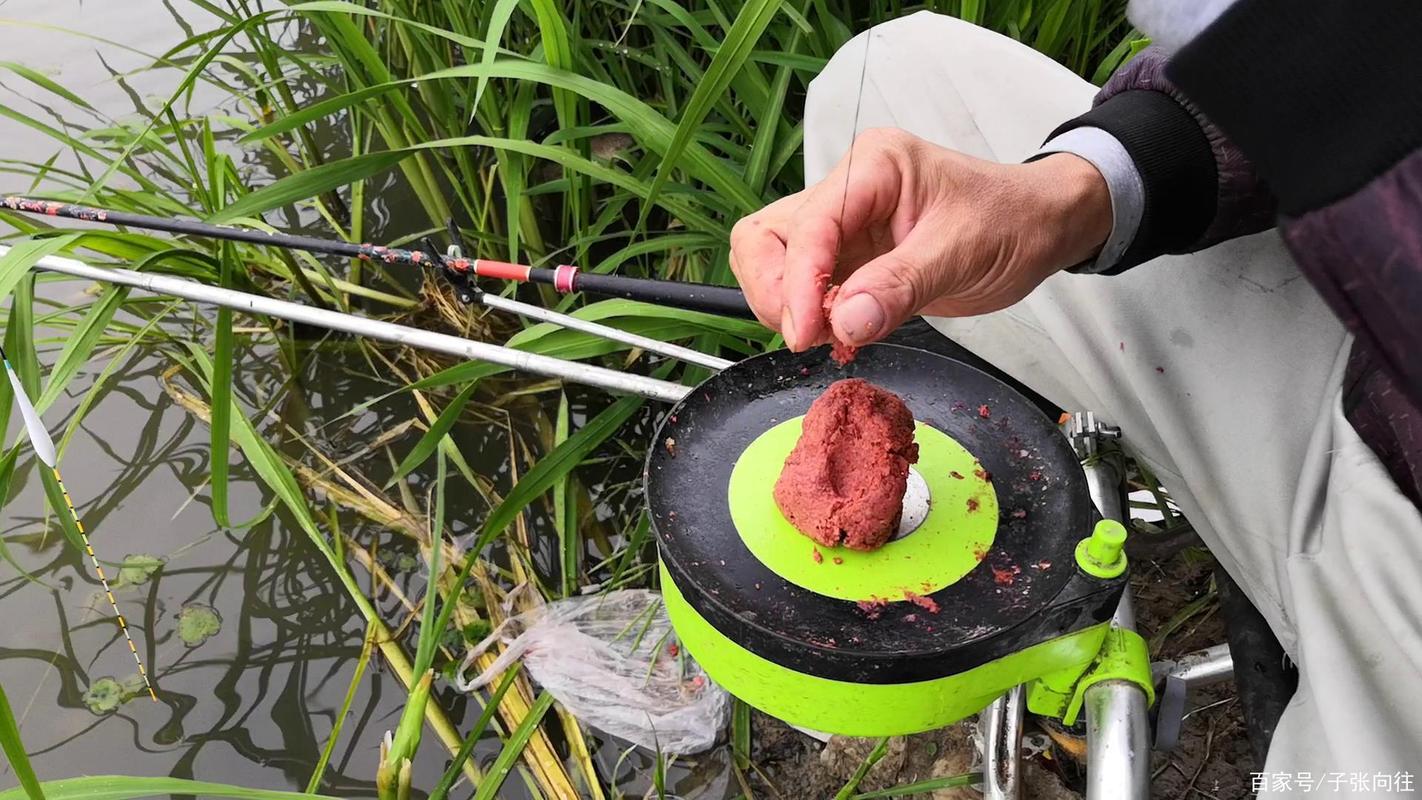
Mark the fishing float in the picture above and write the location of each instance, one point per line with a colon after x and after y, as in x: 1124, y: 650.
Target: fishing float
x: 43, y: 446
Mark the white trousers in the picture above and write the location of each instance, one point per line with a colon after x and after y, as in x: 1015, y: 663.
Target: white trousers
x: 1223, y: 370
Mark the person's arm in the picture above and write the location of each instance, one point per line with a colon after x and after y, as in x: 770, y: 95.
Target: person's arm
x: 1178, y: 184
x: 1326, y: 98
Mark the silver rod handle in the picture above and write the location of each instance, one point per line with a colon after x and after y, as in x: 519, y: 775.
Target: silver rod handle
x: 605, y: 331
x: 601, y: 377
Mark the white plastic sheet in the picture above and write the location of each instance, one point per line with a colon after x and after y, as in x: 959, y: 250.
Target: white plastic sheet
x: 614, y: 662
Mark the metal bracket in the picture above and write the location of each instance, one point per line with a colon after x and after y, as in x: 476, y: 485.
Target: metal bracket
x: 1086, y: 433
x: 1174, y: 679
x: 465, y: 288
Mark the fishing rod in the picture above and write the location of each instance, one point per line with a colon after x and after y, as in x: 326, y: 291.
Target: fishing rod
x: 43, y: 446
x: 565, y: 278
x: 469, y: 349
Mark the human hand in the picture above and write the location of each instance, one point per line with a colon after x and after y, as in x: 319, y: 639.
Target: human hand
x: 921, y: 230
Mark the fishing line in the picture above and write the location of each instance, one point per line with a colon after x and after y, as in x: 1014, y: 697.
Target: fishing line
x: 854, y: 131
x: 43, y: 446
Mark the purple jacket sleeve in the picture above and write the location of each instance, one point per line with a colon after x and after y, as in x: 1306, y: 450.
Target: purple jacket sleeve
x: 1305, y: 114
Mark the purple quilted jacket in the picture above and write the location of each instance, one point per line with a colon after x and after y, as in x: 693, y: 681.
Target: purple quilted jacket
x: 1305, y: 115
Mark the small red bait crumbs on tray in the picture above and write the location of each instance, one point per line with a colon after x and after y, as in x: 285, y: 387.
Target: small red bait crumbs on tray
x: 926, y: 603
x: 1005, y: 576
x: 872, y: 608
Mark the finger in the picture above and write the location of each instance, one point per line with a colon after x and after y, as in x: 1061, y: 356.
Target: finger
x: 810, y: 255
x: 861, y: 191
x: 888, y: 290
x: 758, y: 259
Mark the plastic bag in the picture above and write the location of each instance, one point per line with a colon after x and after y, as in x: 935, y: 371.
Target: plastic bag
x: 614, y: 662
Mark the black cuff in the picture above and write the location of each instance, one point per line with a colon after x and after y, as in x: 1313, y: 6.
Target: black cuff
x: 1176, y: 165
x: 1322, y: 95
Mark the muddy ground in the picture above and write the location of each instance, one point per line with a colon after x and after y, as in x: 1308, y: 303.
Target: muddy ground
x: 1212, y: 761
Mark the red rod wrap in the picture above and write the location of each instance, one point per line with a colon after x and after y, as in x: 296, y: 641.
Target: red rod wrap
x: 563, y: 278
x: 501, y: 270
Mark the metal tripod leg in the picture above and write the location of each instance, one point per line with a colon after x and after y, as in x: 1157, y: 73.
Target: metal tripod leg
x: 1117, y: 724
x: 1002, y: 743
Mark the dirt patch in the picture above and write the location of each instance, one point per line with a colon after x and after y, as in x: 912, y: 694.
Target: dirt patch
x: 793, y: 765
x: 1212, y: 758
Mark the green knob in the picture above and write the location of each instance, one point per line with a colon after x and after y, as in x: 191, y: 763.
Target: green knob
x: 1103, y: 553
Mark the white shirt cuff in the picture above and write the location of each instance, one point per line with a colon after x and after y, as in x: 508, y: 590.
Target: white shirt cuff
x: 1123, y: 181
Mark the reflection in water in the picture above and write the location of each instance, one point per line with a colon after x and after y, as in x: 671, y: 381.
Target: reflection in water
x: 255, y: 703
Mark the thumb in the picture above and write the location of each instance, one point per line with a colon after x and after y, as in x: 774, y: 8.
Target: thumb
x: 881, y: 295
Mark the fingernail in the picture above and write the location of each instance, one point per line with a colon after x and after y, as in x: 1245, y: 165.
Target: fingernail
x: 787, y: 328
x: 860, y: 318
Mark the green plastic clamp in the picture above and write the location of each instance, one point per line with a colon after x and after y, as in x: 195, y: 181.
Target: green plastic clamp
x: 1124, y: 656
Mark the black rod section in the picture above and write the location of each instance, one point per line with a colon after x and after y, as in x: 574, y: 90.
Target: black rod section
x: 721, y: 300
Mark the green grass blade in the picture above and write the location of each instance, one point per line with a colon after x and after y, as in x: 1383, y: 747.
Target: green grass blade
x: 309, y: 183
x: 430, y: 636
x: 741, y: 734
x: 733, y: 53
x: 121, y: 787
x: 54, y: 495
x: 20, y: 344
x: 557, y: 463
x: 15, y: 752
x: 920, y: 787
x: 16, y: 263
x: 319, y: 771
x: 763, y: 147
x: 342, y: 7
x: 311, y: 113
x: 220, y: 430
x: 867, y: 764
x: 79, y: 344
x: 489, y: 787
x: 44, y: 82
x: 628, y: 313
x: 438, y: 430
x: 565, y: 509
x: 503, y: 12
x: 446, y: 782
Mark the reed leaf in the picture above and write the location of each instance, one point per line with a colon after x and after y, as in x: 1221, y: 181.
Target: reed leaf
x: 750, y: 23
x: 117, y: 787
x: 14, y: 750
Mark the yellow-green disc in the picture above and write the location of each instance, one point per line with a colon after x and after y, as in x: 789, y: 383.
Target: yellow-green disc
x: 955, y: 536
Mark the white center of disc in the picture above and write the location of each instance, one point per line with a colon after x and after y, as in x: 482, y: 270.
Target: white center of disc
x: 916, y: 502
